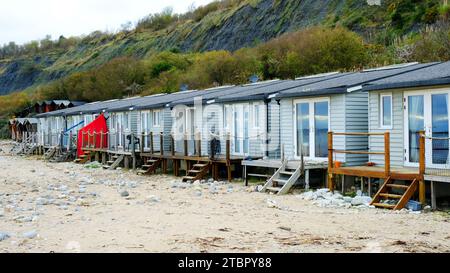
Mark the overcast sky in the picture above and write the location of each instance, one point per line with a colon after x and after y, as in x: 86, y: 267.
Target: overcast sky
x: 25, y: 20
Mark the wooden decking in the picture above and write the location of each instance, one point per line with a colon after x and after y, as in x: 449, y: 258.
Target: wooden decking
x: 399, y: 173
x: 276, y: 163
x: 385, y: 172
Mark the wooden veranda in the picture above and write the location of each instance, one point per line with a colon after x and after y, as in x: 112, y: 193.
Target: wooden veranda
x: 384, y: 172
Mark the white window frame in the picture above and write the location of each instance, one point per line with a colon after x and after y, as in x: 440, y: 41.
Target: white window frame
x: 256, y: 118
x: 312, y: 131
x: 228, y: 117
x: 381, y: 105
x: 156, y: 118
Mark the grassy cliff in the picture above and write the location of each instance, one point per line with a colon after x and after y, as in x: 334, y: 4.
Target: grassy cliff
x: 228, y: 25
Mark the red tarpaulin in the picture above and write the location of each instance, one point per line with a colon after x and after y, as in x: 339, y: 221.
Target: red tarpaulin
x: 97, y: 126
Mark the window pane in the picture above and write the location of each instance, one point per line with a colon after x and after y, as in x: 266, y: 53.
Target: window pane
x: 246, y: 140
x: 321, y: 128
x: 303, y: 129
x: 440, y: 128
x: 256, y: 116
x: 237, y: 143
x: 387, y: 106
x: 416, y: 124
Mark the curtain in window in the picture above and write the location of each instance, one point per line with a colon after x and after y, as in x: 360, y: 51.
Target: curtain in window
x: 416, y: 124
x: 302, y: 129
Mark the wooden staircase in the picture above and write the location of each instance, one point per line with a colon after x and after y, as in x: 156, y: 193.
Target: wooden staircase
x: 386, y: 193
x: 50, y: 153
x: 83, y: 158
x: 114, y: 163
x: 283, y: 179
x: 30, y: 150
x: 150, y: 166
x: 197, y: 172
x: 62, y: 157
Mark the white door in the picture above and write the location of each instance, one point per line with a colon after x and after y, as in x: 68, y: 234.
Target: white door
x: 311, y: 126
x: 119, y: 129
x: 145, y: 128
x: 240, y: 129
x: 428, y: 112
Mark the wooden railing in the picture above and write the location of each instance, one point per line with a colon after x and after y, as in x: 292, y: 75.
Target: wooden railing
x: 386, y: 152
x: 147, y: 142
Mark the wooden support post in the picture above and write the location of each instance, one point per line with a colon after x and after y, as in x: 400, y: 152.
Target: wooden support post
x: 126, y: 162
x: 228, y: 158
x: 433, y: 195
x: 151, y: 143
x: 161, y: 143
x: 330, y: 161
x: 343, y: 184
x: 103, y: 158
x: 82, y: 139
x: 141, y: 143
x: 102, y: 135
x: 186, y: 152
x: 245, y: 176
x: 307, y: 179
x: 369, y: 185
x: 133, y: 151
x: 199, y: 144
x: 422, y: 167
x: 97, y: 156
x: 387, y: 155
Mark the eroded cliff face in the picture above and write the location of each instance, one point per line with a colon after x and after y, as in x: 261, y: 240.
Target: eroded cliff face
x: 250, y: 23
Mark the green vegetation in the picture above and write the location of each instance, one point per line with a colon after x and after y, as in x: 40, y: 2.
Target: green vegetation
x: 166, y: 50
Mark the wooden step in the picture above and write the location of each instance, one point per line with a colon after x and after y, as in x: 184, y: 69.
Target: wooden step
x: 383, y: 205
x: 397, y: 186
x: 110, y: 161
x: 194, y: 171
x: 146, y: 166
x: 106, y: 166
x: 200, y: 165
x: 141, y: 171
x: 274, y: 189
x: 151, y: 160
x: 391, y: 195
x: 287, y: 173
x: 280, y: 180
x: 188, y: 177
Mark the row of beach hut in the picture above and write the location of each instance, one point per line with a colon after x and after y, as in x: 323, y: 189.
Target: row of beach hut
x: 388, y: 127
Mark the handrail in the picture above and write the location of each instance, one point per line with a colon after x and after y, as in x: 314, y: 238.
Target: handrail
x: 332, y: 151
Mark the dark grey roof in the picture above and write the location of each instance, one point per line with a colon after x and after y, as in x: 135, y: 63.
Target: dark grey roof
x: 213, y: 94
x: 342, y: 84
x: 262, y: 92
x: 437, y: 74
x: 153, y: 102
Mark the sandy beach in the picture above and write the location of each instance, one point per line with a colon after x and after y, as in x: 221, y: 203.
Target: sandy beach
x: 65, y: 207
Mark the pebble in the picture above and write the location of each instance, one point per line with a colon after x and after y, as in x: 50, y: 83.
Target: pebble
x: 153, y: 199
x: 30, y: 234
x: 124, y: 194
x: 3, y: 236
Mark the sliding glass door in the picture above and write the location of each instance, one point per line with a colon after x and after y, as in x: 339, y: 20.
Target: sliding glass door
x: 311, y: 128
x: 428, y: 112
